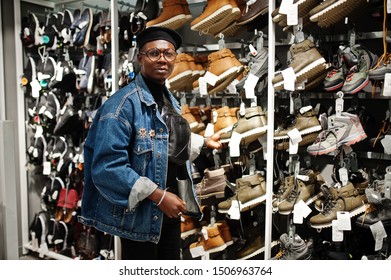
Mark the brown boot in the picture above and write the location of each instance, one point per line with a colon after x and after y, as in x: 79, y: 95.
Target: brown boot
x: 213, y: 184
x: 214, y: 11
x: 172, y: 15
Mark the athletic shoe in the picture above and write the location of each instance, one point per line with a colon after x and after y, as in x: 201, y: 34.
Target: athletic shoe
x: 345, y: 130
x: 293, y: 248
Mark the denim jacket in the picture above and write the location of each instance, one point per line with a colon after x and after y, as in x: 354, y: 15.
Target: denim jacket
x: 125, y: 160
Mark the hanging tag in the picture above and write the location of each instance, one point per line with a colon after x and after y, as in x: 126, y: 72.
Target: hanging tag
x: 203, y: 88
x: 209, y: 131
x: 59, y: 72
x: 344, y: 221
x: 336, y: 232
x: 285, y: 6
x: 210, y: 78
x: 251, y: 165
x: 263, y: 141
x: 253, y: 51
x: 296, y: 168
x: 297, y: 103
x: 339, y: 106
x: 35, y: 88
x: 387, y: 85
x: 293, y: 15
x: 43, y: 250
x: 38, y: 131
x: 388, y: 6
x: 46, y: 168
x: 234, y: 210
x: 183, y: 100
x: 352, y: 38
x: 295, y: 136
x: 197, y: 251
x: 386, y: 143
x: 242, y: 109
x: 260, y: 42
x: 343, y: 176
x: 234, y: 144
x: 387, y: 184
x: 289, y: 77
x: 379, y: 234
x: 291, y: 232
x: 305, y: 109
x: 221, y: 42
x: 34, y: 242
x: 204, y: 233
x: 300, y: 212
x: 249, y: 85
x: 193, y: 101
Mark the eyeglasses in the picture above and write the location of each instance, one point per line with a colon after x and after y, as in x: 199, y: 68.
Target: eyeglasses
x: 155, y: 54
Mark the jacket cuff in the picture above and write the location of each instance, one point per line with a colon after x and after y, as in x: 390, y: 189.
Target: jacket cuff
x: 197, y: 143
x: 140, y: 190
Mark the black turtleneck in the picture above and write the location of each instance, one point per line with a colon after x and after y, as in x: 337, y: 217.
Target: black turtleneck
x: 157, y: 91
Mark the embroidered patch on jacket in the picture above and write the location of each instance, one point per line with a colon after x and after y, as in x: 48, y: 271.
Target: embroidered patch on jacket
x: 142, y: 132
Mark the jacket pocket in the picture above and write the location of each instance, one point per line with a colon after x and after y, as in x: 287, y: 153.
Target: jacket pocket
x: 142, y: 155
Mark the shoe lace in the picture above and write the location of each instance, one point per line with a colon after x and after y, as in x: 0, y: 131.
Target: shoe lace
x: 385, y: 128
x: 280, y: 254
x: 369, y: 209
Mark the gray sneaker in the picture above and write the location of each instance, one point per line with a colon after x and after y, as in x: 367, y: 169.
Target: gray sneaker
x: 344, y: 130
x: 378, y: 72
x: 336, y: 76
x: 296, y: 249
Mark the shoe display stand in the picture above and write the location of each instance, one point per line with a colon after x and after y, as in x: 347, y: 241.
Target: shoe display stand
x: 276, y: 225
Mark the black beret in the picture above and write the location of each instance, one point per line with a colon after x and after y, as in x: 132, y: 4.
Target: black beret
x: 159, y: 33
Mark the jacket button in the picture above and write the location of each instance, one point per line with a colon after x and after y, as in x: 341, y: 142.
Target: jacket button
x: 155, y: 218
x: 161, y: 129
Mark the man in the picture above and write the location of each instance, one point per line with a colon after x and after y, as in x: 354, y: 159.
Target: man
x: 133, y: 157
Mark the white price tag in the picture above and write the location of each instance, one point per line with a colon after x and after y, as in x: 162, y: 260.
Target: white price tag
x: 35, y: 88
x: 234, y: 210
x: 285, y: 6
x: 43, y: 250
x: 343, y: 176
x: 386, y: 143
x: 209, y: 131
x: 210, y: 78
x: 289, y: 77
x: 249, y: 85
x: 379, y: 233
x: 387, y: 84
x: 295, y: 136
x: 46, y: 168
x: 336, y: 232
x: 293, y: 147
x: 293, y: 15
x: 197, y: 251
x: 234, y: 144
x: 203, y: 88
x: 59, y: 72
x: 388, y: 6
x: 344, y: 222
x: 300, y: 211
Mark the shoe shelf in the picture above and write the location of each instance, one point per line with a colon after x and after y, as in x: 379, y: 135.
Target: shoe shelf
x: 49, y: 254
x: 330, y: 95
x: 339, y: 38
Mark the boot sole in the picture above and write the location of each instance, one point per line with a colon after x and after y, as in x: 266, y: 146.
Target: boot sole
x: 172, y: 23
x: 306, y: 139
x: 334, y: 13
x: 310, y: 70
x: 302, y: 132
x: 352, y: 214
x: 251, y: 133
x: 248, y: 205
x: 209, y: 21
